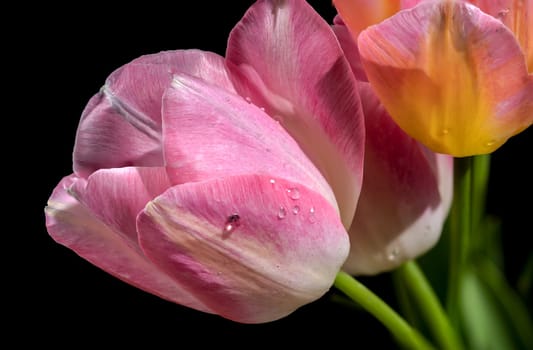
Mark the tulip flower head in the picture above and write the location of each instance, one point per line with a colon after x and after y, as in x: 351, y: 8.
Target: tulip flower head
x: 212, y: 183
x: 452, y: 76
x: 241, y: 185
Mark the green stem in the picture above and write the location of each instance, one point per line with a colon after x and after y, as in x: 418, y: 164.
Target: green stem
x: 403, y: 333
x: 480, y: 179
x: 430, y: 306
x: 460, y: 232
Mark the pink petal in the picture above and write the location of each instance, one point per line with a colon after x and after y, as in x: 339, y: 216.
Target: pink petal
x: 406, y: 195
x: 429, y: 51
x: 281, y: 252
x: 285, y: 58
x: 116, y: 196
x: 349, y: 47
x: 517, y: 15
x: 121, y: 125
x: 73, y: 225
x: 205, y: 65
x: 211, y: 133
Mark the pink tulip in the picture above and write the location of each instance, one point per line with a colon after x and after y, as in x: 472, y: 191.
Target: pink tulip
x: 407, y: 189
x: 228, y: 185
x: 222, y: 184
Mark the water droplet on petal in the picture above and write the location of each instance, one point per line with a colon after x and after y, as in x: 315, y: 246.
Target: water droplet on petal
x: 262, y: 109
x: 490, y: 143
x: 282, y: 212
x: 272, y: 181
x: 502, y: 13
x: 248, y: 99
x: 312, y: 217
x: 293, y: 193
x: 232, y: 222
x: 393, y: 255
x: 295, y: 209
x: 278, y: 118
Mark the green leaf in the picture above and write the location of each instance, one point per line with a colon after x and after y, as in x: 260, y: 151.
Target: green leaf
x: 511, y: 305
x: 485, y: 326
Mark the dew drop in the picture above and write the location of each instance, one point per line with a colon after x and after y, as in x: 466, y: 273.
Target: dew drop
x: 248, y: 99
x: 295, y: 209
x: 490, y: 143
x: 312, y: 217
x: 262, y: 109
x: 293, y: 193
x: 282, y: 212
x: 232, y: 222
x: 393, y: 255
x: 502, y: 13
x: 272, y: 181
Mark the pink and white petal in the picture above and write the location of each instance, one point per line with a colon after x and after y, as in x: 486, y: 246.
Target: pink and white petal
x: 71, y: 224
x: 285, y: 58
x: 109, y: 135
x: 406, y: 196
x: 517, y: 15
x: 247, y: 248
x: 205, y: 65
x: 430, y: 50
x: 121, y: 125
x: 116, y: 196
x: 211, y: 133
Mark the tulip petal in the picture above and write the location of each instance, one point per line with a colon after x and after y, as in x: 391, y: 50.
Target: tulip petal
x: 286, y: 59
x: 121, y: 125
x: 406, y: 195
x: 517, y: 15
x: 464, y: 68
x: 349, y: 47
x: 71, y: 224
x: 205, y: 65
x: 116, y: 196
x: 280, y: 254
x: 211, y: 133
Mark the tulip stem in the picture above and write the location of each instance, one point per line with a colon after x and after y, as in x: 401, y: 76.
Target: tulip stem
x: 460, y: 232
x: 404, y: 334
x: 414, y: 279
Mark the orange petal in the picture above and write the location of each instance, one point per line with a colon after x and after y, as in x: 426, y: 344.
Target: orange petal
x: 451, y: 76
x: 360, y: 14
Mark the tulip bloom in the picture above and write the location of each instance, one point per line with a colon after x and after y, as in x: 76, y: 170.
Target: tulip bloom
x: 228, y: 184
x: 407, y: 189
x: 452, y: 76
x: 188, y: 187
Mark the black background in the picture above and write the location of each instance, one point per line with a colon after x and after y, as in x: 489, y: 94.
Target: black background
x: 64, y: 58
